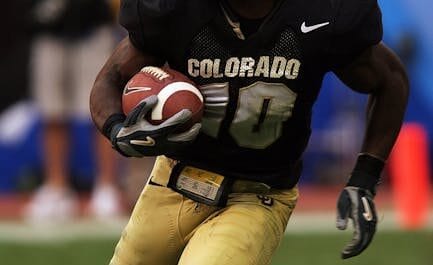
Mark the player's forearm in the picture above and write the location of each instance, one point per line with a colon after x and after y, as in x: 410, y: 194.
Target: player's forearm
x: 105, y: 98
x: 385, y: 112
x: 379, y: 72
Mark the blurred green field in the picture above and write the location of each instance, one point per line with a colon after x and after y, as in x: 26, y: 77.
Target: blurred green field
x: 396, y: 248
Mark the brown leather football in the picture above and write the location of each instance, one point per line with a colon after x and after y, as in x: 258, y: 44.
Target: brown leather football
x: 175, y: 92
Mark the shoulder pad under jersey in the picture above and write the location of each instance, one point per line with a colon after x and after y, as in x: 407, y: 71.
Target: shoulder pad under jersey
x: 350, y: 14
x: 357, y: 26
x: 146, y: 21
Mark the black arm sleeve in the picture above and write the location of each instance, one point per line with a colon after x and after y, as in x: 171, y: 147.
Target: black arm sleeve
x: 148, y: 23
x: 358, y: 25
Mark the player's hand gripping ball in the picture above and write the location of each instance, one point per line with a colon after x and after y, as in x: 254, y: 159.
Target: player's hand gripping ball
x: 163, y: 110
x: 174, y: 90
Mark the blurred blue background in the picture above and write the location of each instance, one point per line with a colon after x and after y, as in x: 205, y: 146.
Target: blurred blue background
x: 337, y: 127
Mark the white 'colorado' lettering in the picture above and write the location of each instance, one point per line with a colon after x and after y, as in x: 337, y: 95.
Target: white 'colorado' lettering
x: 262, y: 68
x: 266, y: 66
x: 247, y: 67
x: 232, y: 67
x: 207, y: 67
x: 194, y: 67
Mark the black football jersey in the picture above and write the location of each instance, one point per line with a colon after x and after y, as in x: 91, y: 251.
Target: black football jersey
x: 259, y: 88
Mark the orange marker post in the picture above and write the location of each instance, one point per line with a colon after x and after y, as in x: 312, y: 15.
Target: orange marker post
x: 410, y: 176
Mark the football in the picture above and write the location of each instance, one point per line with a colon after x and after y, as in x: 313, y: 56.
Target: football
x: 175, y: 92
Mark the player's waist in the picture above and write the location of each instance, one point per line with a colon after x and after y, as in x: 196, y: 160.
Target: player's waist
x: 162, y: 174
x: 279, y: 173
x: 279, y: 165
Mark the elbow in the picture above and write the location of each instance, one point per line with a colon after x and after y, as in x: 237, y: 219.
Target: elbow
x: 401, y: 79
x: 92, y: 99
x: 395, y: 85
x: 402, y: 84
x: 395, y: 81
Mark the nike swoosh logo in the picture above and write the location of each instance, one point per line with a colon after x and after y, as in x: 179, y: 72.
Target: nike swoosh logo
x: 129, y: 90
x: 307, y: 29
x: 368, y: 215
x: 148, y: 142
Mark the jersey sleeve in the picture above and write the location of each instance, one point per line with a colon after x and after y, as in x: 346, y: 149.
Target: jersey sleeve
x: 147, y: 23
x: 357, y: 26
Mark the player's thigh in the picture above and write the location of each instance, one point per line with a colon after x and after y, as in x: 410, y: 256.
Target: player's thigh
x: 247, y: 232
x: 151, y: 235
x: 48, y: 64
x: 88, y: 55
x: 159, y: 224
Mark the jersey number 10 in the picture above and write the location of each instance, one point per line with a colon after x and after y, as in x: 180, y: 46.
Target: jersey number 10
x: 262, y: 108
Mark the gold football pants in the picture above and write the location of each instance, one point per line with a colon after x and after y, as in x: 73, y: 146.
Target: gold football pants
x: 167, y: 228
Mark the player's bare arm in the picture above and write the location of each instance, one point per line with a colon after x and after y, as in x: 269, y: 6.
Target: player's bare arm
x: 123, y: 131
x: 105, y: 98
x: 379, y: 72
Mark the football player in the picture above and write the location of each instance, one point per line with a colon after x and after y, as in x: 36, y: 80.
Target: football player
x: 227, y: 197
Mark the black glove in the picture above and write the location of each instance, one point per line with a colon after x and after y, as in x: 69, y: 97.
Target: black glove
x: 356, y: 202
x: 136, y: 137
